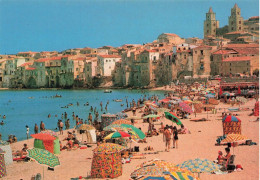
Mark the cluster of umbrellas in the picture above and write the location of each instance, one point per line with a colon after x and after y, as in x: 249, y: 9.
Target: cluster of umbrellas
x: 158, y: 169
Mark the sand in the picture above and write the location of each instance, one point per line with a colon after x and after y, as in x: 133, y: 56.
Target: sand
x: 199, y: 144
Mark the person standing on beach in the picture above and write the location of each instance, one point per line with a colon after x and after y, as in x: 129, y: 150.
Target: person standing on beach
x: 36, y: 129
x: 27, y: 131
x: 167, y: 135
x: 0, y: 136
x: 175, y: 137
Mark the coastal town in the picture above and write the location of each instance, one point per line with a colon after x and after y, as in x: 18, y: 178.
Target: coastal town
x: 232, y: 50
x: 174, y: 108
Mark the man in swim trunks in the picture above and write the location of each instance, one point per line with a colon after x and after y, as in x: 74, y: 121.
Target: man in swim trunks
x: 167, y: 135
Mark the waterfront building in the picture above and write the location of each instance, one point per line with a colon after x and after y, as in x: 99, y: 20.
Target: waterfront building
x: 90, y: 70
x: 106, y: 64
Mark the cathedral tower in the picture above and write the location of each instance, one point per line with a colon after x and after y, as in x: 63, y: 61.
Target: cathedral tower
x: 210, y: 24
x: 235, y: 21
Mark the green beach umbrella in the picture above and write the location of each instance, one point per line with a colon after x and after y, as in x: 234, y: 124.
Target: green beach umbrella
x: 132, y: 130
x: 173, y: 117
x: 43, y: 157
x: 151, y: 116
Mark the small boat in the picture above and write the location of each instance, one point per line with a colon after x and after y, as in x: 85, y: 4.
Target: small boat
x: 70, y: 104
x: 118, y: 100
x: 107, y: 91
x: 57, y: 96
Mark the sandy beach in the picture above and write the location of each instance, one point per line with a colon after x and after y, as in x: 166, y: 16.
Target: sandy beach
x: 199, y: 144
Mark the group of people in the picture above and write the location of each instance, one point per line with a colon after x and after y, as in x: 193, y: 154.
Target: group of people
x: 170, y: 133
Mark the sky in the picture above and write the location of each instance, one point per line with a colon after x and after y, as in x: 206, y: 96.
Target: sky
x: 48, y: 25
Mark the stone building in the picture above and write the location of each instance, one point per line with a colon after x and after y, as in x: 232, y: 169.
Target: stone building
x: 235, y: 20
x: 90, y: 70
x: 106, y: 64
x: 252, y: 25
x: 9, y: 74
x: 201, y: 61
x: 210, y: 24
x: 170, y: 39
x: 237, y: 55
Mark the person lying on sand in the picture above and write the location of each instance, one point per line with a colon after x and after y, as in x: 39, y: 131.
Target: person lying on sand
x: 23, y: 152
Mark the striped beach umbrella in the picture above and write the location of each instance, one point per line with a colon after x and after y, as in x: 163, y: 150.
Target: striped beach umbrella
x: 119, y: 134
x: 234, y: 138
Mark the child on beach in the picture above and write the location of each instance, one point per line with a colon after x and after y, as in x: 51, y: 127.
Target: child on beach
x: 220, y: 157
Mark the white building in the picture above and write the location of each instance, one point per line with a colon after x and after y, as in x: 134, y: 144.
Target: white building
x: 106, y: 64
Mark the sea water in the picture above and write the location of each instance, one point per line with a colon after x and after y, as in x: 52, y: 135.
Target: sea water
x: 27, y: 107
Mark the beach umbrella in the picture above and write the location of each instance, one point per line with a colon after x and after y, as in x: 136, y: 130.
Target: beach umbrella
x: 151, y: 116
x: 132, y: 130
x: 173, y: 117
x: 200, y: 166
x: 85, y: 127
x: 231, y: 138
x: 230, y: 118
x: 43, y: 157
x: 121, y: 121
x: 162, y: 170
x: 119, y: 134
x: 43, y: 136
x: 185, y: 107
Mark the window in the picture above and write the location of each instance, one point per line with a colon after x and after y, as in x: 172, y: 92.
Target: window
x: 230, y: 64
x: 214, y: 24
x: 106, y: 60
x: 239, y: 22
x: 239, y: 28
x: 154, y: 58
x: 230, y: 69
x: 207, y: 31
x: 232, y: 28
x: 232, y: 22
x: 201, y: 52
x: 184, y: 48
x: 56, y: 63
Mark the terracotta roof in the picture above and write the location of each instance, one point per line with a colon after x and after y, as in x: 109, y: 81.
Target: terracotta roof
x: 242, y: 45
x: 203, y: 47
x: 171, y: 34
x: 243, y: 58
x: 152, y: 50
x: 224, y: 52
x: 109, y: 56
x: 30, y: 68
x: 246, y: 50
x: 48, y: 59
x: 254, y: 17
x: 25, y: 64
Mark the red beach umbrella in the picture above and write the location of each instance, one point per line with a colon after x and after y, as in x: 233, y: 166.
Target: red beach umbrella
x: 239, y: 90
x: 43, y: 137
x: 220, y: 91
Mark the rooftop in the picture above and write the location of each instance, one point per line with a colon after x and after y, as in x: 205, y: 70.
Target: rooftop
x: 224, y: 52
x: 109, y: 56
x: 232, y: 59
